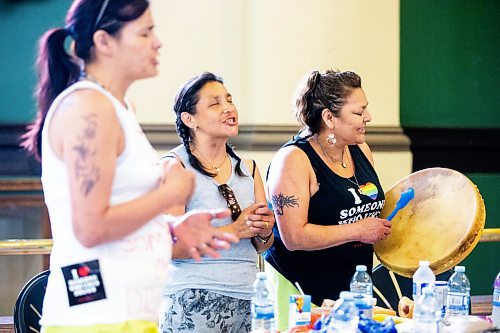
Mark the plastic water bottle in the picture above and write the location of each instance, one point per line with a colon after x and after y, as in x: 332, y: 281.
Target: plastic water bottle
x: 495, y: 314
x: 427, y: 313
x: 345, y: 315
x: 362, y: 291
x: 262, y: 305
x: 422, y: 278
x: 458, y: 297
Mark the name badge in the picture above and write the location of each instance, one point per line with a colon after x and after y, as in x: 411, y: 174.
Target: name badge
x: 84, y: 282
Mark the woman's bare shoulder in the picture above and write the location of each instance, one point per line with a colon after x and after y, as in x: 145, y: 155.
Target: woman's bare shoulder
x: 87, y: 101
x: 291, y: 155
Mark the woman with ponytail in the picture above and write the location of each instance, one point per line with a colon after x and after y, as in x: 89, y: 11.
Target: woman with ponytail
x: 104, y: 188
x: 325, y: 192
x: 214, y: 295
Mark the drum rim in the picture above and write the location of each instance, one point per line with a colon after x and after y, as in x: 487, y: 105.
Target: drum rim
x: 452, y: 258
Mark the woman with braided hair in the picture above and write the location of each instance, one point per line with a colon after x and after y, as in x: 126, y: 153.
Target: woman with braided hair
x: 324, y: 189
x: 104, y: 188
x: 214, y: 295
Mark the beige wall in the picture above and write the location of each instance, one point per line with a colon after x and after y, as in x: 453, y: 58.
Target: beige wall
x: 262, y: 48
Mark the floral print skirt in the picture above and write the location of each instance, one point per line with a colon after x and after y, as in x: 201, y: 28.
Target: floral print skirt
x: 203, y: 311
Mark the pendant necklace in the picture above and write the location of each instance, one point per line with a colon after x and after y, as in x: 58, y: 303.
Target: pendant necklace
x: 216, y: 168
x: 334, y: 160
x: 356, y: 179
x: 344, y: 165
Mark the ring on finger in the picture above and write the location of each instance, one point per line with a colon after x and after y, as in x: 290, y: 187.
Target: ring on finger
x: 267, y: 225
x: 213, y: 215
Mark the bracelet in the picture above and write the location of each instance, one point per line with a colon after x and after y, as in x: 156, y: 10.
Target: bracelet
x: 259, y: 239
x: 172, y: 233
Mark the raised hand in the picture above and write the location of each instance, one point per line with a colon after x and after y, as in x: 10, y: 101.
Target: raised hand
x: 198, y: 237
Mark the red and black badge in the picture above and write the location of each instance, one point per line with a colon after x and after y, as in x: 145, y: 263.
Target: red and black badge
x: 84, y: 282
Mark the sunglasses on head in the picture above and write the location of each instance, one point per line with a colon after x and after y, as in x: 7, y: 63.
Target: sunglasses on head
x: 228, y: 194
x: 101, y: 13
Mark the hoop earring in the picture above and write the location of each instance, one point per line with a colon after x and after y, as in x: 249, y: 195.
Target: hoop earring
x: 331, y: 139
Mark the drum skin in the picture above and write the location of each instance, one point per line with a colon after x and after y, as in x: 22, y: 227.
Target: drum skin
x: 442, y: 224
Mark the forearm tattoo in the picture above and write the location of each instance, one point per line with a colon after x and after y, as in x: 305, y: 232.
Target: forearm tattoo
x: 86, y: 168
x: 281, y: 201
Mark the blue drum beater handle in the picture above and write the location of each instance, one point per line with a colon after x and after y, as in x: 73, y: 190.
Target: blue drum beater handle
x: 405, y: 197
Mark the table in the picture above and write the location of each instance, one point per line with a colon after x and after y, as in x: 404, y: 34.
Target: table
x: 480, y: 305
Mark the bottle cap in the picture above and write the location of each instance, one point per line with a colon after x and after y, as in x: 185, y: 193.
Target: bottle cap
x: 361, y: 268
x: 460, y: 269
x: 346, y: 295
x: 261, y: 275
x: 424, y: 263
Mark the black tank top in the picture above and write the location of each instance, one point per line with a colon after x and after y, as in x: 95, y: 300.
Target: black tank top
x: 325, y: 273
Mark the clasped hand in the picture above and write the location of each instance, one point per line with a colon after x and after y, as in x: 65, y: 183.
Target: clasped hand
x: 254, y: 220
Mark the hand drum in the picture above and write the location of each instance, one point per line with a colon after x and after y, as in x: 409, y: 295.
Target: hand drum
x: 442, y: 224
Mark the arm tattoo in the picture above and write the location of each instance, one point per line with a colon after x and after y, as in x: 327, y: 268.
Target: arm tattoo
x: 281, y: 201
x: 86, y: 168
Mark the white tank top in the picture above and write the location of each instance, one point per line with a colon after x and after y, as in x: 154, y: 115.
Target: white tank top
x: 133, y: 269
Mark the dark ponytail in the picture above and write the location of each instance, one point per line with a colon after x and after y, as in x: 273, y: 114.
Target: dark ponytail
x: 305, y: 101
x: 185, y: 101
x: 57, y: 69
x: 328, y: 90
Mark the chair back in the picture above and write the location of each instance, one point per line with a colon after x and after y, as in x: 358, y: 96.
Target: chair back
x: 28, y: 307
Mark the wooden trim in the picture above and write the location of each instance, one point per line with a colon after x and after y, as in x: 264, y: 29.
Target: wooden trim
x: 271, y: 138
x: 7, y: 324
x: 20, y: 184
x: 18, y: 163
x: 481, y: 305
x: 490, y: 235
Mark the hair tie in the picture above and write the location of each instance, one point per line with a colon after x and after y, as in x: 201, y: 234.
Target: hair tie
x: 317, y: 78
x: 70, y: 30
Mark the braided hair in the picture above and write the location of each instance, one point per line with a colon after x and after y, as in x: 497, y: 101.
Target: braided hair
x: 328, y: 90
x: 185, y: 101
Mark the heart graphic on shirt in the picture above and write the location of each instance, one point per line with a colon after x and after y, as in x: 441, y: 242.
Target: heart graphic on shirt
x: 369, y: 189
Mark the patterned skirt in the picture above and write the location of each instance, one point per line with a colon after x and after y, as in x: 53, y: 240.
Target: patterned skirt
x: 202, y: 311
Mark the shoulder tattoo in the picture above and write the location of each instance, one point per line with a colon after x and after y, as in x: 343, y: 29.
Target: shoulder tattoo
x: 86, y: 168
x: 281, y: 201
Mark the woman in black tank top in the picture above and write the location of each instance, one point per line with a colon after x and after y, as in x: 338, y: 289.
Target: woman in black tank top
x: 325, y: 192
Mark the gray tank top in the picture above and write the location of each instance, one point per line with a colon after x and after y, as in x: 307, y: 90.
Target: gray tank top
x: 233, y: 274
